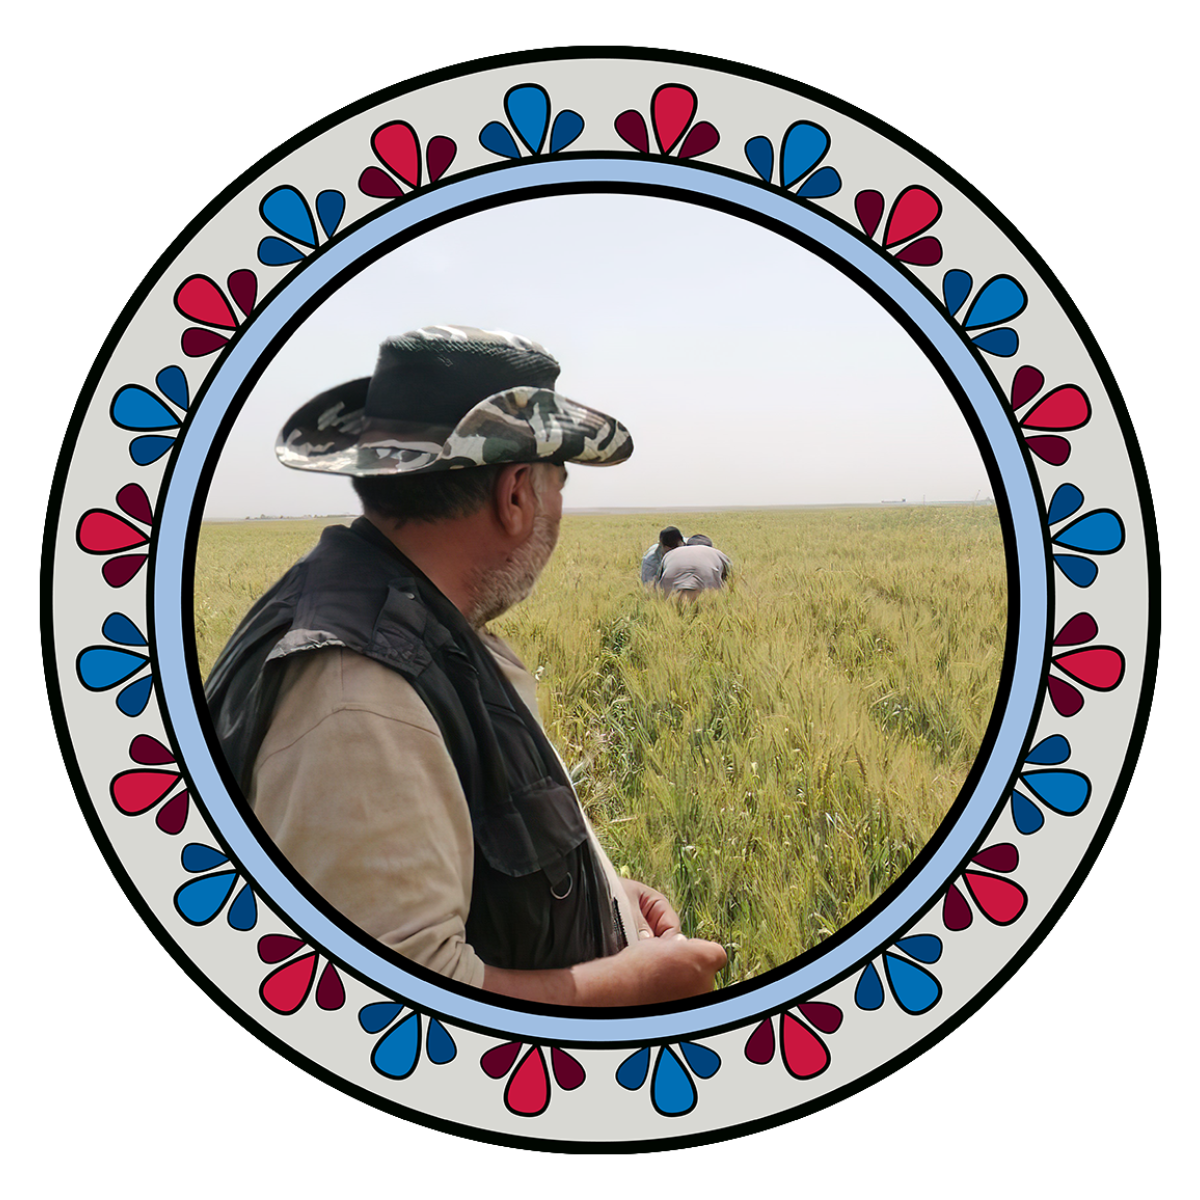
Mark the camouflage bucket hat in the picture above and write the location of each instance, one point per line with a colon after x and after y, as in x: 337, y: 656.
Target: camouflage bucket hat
x: 445, y: 397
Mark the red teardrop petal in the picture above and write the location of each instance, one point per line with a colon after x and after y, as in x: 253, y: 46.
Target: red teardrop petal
x: 914, y: 211
x: 102, y: 532
x: 135, y: 791
x: 1099, y: 667
x: 1064, y: 408
x: 285, y: 989
x: 804, y: 1053
x: 671, y: 109
x: 528, y: 1091
x: 1000, y: 900
x: 199, y: 299
x: 397, y: 147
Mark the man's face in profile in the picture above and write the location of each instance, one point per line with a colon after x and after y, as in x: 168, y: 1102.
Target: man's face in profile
x: 512, y: 583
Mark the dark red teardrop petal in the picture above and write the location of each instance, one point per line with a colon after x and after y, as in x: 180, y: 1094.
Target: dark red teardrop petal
x: 331, y: 994
x: 868, y: 207
x: 631, y: 128
x: 701, y: 138
x: 132, y: 500
x: 439, y: 154
x: 760, y: 1045
x: 243, y: 287
x: 196, y: 343
x: 568, y: 1073
x: 1080, y: 628
x: 1002, y: 857
x: 496, y: 1062
x: 148, y: 751
x: 377, y: 183
x: 1067, y: 700
x: 1054, y: 450
x: 274, y: 947
x: 1026, y: 384
x: 826, y: 1017
x: 118, y: 572
x: 924, y: 252
x: 172, y: 817
x: 956, y: 912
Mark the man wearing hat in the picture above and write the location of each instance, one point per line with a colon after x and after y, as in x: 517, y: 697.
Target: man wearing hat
x: 386, y: 741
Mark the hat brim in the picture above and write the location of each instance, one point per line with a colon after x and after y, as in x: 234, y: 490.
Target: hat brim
x: 523, y: 424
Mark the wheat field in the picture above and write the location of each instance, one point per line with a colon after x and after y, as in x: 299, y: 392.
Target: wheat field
x: 771, y: 757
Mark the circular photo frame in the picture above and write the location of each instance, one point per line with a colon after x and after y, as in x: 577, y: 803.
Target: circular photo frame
x: 1071, y: 497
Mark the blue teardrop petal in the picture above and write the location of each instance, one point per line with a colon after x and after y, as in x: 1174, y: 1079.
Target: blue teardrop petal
x: 494, y: 137
x: 275, y: 253
x: 804, y: 145
x: 925, y: 947
x: 199, y: 900
x: 331, y: 207
x: 916, y: 991
x: 567, y: 127
x: 132, y: 700
x: 1081, y: 572
x: 172, y: 382
x: 1100, y: 532
x: 135, y: 408
x: 1064, y: 791
x: 374, y: 1017
x: 286, y: 211
x: 101, y: 667
x: 1000, y: 299
x: 1002, y: 343
x: 528, y: 108
x: 243, y: 912
x: 825, y: 182
x: 760, y: 154
x: 395, y: 1054
x: 632, y: 1072
x: 869, y: 992
x: 439, y: 1045
x: 1050, y: 751
x: 146, y: 450
x: 197, y: 857
x: 1063, y: 503
x: 1026, y: 815
x: 672, y: 1089
x: 119, y: 628
x: 956, y: 287
x: 703, y: 1061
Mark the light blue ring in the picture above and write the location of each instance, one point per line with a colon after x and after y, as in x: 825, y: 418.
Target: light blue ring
x: 944, y: 340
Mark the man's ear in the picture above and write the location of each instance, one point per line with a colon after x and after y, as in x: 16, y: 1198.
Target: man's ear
x: 514, y: 500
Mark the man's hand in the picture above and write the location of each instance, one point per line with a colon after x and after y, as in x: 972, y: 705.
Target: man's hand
x: 660, y: 919
x: 654, y: 970
x: 661, y: 966
x: 660, y: 969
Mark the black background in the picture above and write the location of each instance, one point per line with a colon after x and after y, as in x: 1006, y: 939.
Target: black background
x: 144, y: 147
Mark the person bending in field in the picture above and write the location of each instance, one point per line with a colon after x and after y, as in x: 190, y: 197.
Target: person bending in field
x: 652, y: 560
x: 693, y: 568
x: 386, y: 741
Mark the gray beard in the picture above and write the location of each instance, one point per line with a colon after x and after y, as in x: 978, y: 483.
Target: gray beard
x: 497, y: 591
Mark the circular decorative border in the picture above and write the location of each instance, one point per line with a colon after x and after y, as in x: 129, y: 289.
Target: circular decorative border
x: 1053, y: 786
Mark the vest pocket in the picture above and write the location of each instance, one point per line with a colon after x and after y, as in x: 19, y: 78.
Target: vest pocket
x: 538, y: 900
x: 538, y: 830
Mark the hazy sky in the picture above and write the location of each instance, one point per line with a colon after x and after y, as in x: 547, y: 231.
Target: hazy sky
x: 749, y: 371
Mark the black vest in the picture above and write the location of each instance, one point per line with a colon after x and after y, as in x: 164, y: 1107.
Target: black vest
x: 540, y: 897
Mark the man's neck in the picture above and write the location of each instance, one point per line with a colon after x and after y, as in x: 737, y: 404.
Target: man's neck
x: 441, y: 549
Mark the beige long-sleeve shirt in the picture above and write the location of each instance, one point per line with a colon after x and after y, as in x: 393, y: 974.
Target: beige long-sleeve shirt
x: 354, y: 784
